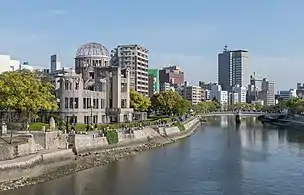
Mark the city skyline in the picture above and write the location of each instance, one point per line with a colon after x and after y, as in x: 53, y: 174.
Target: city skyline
x: 191, y: 40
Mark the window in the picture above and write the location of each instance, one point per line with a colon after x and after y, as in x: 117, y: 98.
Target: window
x: 89, y: 103
x: 84, y: 103
x: 66, y: 85
x: 94, y: 103
x: 95, y: 119
x: 66, y: 102
x: 76, y: 103
x: 123, y: 103
x: 97, y: 103
x: 87, y: 119
x: 71, y: 102
x: 102, y: 103
x: 77, y: 85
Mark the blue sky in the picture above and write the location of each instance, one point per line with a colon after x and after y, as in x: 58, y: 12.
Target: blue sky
x: 186, y: 33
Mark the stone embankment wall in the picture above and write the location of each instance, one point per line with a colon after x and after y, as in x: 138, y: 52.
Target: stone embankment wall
x: 11, y: 169
x: 85, y: 143
x: 35, y: 142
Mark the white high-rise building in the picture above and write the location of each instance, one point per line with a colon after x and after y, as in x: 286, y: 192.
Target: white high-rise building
x: 268, y: 92
x: 7, y: 64
x: 241, y: 93
x: 218, y: 94
x: 233, y: 68
x: 55, y: 63
x: 136, y: 57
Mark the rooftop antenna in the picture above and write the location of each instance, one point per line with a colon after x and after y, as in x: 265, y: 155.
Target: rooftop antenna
x: 225, y: 48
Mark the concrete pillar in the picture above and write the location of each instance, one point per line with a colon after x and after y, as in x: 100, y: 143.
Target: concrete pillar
x: 128, y: 87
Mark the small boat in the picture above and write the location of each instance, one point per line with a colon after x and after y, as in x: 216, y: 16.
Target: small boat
x: 238, y: 118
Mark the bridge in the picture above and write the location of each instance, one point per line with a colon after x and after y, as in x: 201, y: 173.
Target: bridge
x: 246, y: 113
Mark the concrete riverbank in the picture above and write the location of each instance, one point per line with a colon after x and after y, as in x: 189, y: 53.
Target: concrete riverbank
x: 91, y: 152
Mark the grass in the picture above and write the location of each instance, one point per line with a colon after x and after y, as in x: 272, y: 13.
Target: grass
x: 37, y: 126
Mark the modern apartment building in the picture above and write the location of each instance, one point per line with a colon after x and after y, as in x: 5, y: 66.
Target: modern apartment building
x: 241, y: 93
x: 137, y: 58
x: 166, y: 87
x: 300, y: 90
x: 205, y: 85
x: 288, y: 94
x: 268, y: 92
x: 95, y: 92
x: 233, y: 68
x: 220, y: 95
x: 172, y: 75
x: 8, y: 64
x: 153, y: 81
x: 261, y: 90
x: 192, y: 93
x: 55, y: 63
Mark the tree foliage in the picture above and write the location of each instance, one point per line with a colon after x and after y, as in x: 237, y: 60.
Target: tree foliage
x: 206, y: 106
x: 170, y: 102
x: 138, y: 101
x: 293, y: 104
x: 26, y: 93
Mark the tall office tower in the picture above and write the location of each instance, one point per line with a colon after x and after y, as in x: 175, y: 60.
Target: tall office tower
x: 233, y: 68
x: 136, y: 57
x: 55, y: 63
x: 268, y: 92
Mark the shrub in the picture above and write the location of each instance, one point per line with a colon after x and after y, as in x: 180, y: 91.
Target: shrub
x: 37, y: 126
x: 180, y: 126
x: 112, y: 137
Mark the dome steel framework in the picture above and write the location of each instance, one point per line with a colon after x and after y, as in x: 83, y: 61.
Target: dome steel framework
x: 92, y: 50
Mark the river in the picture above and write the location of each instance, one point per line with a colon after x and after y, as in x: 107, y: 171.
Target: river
x: 219, y: 159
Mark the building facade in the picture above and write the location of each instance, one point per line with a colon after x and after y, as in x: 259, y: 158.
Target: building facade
x: 95, y: 92
x: 172, y: 75
x: 206, y: 86
x: 288, y: 94
x: 191, y: 93
x: 268, y: 92
x: 153, y: 81
x: 241, y: 93
x: 8, y: 64
x: 216, y: 93
x: 137, y: 58
x: 233, y: 68
x: 261, y: 90
x: 55, y: 63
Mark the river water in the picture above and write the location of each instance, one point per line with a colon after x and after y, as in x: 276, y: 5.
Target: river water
x: 219, y: 159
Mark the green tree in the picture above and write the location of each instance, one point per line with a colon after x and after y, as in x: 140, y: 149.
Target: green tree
x: 182, y: 106
x: 24, y: 92
x: 258, y: 106
x: 170, y: 102
x: 138, y: 101
x: 205, y: 106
